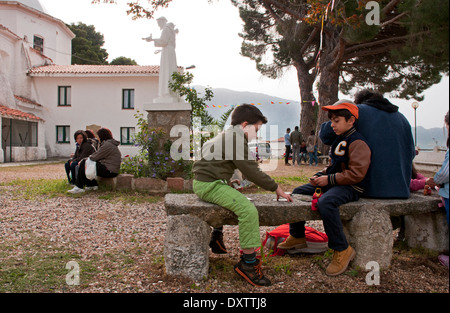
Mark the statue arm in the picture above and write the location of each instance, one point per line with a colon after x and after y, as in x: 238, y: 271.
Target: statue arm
x: 164, y: 40
x: 148, y: 39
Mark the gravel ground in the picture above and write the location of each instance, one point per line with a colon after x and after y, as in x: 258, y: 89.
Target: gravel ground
x: 119, y: 245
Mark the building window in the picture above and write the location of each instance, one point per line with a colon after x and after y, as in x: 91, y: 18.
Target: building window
x: 128, y: 99
x: 20, y: 133
x: 63, y: 134
x: 126, y: 135
x: 38, y: 44
x: 64, y: 95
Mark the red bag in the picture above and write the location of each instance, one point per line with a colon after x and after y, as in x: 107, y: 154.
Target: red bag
x: 317, y: 241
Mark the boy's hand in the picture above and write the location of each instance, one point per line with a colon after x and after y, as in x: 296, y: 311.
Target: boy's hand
x: 280, y: 193
x: 321, y: 181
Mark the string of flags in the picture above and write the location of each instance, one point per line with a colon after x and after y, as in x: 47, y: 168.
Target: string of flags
x: 255, y: 104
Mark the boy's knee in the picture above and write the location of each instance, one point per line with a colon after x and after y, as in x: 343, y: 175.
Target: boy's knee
x: 326, y: 206
x: 248, y: 213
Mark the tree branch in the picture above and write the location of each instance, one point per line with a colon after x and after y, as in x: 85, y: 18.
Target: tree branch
x: 382, y: 42
x: 284, y: 8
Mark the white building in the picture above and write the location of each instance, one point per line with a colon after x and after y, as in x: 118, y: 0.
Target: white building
x: 91, y: 97
x: 44, y: 99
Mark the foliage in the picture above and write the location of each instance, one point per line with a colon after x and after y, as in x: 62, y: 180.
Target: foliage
x: 180, y: 84
x: 152, y: 160
x: 87, y: 45
x: 123, y: 61
x: 405, y: 54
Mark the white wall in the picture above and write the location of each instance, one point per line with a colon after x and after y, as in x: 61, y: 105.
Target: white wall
x: 95, y: 101
x: 24, y: 22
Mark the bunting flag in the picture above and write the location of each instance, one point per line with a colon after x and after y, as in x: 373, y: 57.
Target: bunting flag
x: 251, y: 103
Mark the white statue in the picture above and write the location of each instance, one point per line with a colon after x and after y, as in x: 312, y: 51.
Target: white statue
x: 168, y: 65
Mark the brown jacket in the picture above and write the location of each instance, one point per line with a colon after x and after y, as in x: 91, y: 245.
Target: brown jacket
x: 109, y: 155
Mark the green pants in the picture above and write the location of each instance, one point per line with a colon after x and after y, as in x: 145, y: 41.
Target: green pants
x: 219, y: 193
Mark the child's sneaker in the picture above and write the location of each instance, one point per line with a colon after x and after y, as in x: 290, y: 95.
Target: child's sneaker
x: 252, y: 273
x: 340, y: 262
x: 216, y: 244
x: 92, y: 188
x: 76, y: 190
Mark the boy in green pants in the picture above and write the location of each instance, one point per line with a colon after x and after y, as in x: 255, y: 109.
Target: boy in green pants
x: 220, y: 157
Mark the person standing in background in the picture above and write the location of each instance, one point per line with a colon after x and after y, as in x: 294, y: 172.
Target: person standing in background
x: 287, y: 144
x: 296, y: 141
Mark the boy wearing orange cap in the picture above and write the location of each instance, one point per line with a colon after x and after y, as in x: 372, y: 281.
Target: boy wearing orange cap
x: 341, y: 182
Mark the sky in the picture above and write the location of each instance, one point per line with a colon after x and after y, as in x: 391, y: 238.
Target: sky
x: 208, y: 38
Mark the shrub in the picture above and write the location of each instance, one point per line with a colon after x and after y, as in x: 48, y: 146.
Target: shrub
x: 152, y: 160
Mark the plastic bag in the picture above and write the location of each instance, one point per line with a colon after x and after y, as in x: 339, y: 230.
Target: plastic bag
x: 91, y: 169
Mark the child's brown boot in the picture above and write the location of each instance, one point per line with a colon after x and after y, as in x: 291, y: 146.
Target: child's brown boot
x: 340, y: 262
x: 293, y: 243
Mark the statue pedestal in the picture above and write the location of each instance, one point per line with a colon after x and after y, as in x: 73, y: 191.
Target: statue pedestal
x: 164, y: 115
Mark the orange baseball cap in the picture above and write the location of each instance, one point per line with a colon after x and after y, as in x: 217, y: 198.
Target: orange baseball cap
x: 343, y: 104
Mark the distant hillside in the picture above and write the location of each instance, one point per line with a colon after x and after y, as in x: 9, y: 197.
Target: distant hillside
x: 284, y: 115
x: 427, y: 138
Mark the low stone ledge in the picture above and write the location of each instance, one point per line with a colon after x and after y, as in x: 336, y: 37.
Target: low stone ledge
x: 366, y: 222
x: 151, y: 185
x: 274, y: 213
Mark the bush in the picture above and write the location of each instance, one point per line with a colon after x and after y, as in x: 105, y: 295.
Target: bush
x: 153, y: 161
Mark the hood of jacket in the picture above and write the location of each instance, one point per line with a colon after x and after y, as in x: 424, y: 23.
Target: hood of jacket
x: 384, y: 105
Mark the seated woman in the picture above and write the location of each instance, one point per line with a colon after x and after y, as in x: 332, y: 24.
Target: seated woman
x: 108, y: 159
x: 83, y: 150
x: 92, y: 140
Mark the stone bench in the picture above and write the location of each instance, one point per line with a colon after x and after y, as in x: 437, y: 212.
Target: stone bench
x: 366, y: 222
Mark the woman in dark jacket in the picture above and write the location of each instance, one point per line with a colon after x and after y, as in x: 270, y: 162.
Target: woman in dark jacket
x: 84, y: 149
x: 107, y: 158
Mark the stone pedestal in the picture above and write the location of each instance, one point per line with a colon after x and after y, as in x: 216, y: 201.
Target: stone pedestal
x: 370, y: 234
x: 165, y: 115
x: 428, y: 230
x: 186, y: 246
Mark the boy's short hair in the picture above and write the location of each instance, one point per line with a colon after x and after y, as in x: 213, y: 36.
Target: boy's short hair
x: 343, y: 112
x: 247, y: 113
x: 345, y: 108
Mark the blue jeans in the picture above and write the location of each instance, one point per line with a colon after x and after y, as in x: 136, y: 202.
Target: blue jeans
x: 70, y: 171
x: 328, y: 206
x: 313, y: 157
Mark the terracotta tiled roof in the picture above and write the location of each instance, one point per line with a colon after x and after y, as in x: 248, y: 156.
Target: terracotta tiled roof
x: 87, y: 70
x: 25, y: 100
x: 13, y: 113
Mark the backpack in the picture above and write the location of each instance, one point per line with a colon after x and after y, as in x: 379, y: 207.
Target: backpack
x: 317, y: 241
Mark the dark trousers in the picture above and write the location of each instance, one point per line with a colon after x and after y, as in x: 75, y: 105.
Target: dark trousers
x: 287, y: 154
x: 102, y: 171
x: 70, y: 171
x: 328, y: 206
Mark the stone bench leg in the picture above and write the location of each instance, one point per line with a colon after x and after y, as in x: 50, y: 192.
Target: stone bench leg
x: 370, y: 234
x: 428, y: 230
x: 186, y: 249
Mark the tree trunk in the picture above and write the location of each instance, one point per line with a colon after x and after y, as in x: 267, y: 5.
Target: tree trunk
x: 308, y: 113
x: 329, y: 81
